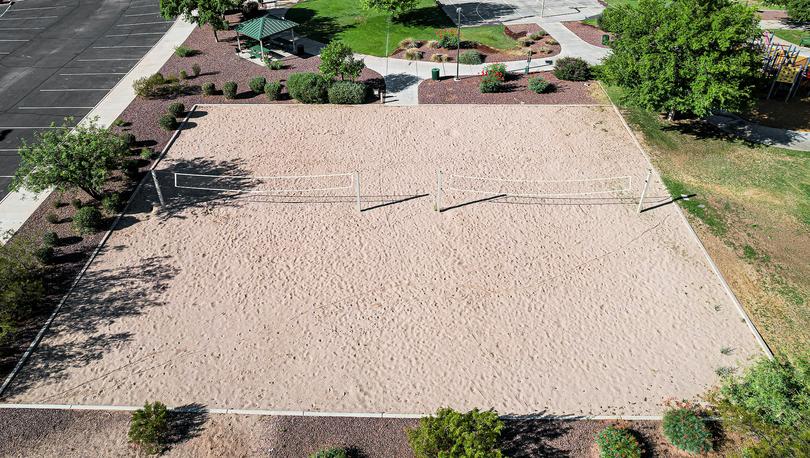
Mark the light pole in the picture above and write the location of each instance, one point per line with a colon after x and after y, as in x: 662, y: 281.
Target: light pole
x: 458, y: 45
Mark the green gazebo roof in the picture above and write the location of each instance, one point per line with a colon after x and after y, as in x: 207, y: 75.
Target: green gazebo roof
x: 265, y: 26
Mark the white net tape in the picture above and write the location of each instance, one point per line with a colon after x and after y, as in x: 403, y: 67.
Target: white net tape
x: 265, y: 184
x: 538, y: 188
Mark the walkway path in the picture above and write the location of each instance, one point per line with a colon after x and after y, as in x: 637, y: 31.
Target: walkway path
x: 771, y: 136
x: 17, y: 207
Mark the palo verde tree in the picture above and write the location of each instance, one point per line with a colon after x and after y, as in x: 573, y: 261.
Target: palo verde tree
x: 392, y: 7
x: 684, y: 56
x: 68, y: 158
x: 337, y: 60
x: 200, y: 12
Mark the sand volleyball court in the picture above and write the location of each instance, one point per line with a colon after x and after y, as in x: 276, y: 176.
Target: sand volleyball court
x: 574, y: 304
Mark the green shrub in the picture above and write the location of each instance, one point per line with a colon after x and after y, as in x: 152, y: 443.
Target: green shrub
x: 413, y: 54
x: 616, y: 442
x: 149, y: 427
x: 209, y: 89
x: 44, y: 254
x: 308, y: 87
x: 52, y: 218
x: 196, y: 70
x: 572, y: 69
x: 183, y: 75
x: 185, y: 51
x: 433, y: 44
x: 348, y: 93
x: 330, y: 453
x: 493, y: 77
x: 538, y: 35
x: 50, y: 238
x: 439, y: 57
x: 454, y: 434
x: 176, y: 109
x: 128, y: 138
x: 229, y: 89
x: 167, y: 122
x: 112, y: 203
x: 408, y: 43
x: 87, y: 220
x: 273, y: 90
x: 539, y: 85
x: 119, y: 122
x: 131, y: 169
x: 274, y: 64
x: 448, y: 41
x: 470, y: 57
x: 156, y: 85
x: 798, y: 10
x: 21, y: 285
x: 76, y: 203
x: 257, y: 84
x: 146, y: 154
x: 684, y: 429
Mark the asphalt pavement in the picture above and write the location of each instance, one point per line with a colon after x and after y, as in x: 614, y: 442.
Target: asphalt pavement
x: 59, y: 58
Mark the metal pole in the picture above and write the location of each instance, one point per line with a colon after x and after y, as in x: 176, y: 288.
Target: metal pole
x: 157, y: 187
x: 387, y: 36
x: 543, y: 8
x: 458, y: 46
x: 644, y: 190
x: 438, y: 202
x: 357, y: 190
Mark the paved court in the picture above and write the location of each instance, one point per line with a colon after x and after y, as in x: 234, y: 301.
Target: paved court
x: 497, y: 11
x: 59, y: 58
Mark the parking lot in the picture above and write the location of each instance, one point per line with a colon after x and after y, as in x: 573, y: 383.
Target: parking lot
x: 60, y: 58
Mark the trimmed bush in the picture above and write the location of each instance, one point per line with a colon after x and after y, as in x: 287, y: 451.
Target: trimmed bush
x: 451, y: 433
x: 176, y: 109
x: 149, y: 427
x: 112, y: 203
x: 543, y: 50
x: 408, y: 43
x: 348, y: 93
x: 448, y: 41
x: 572, y: 69
x: 50, y: 238
x: 525, y: 41
x: 440, y: 57
x: 157, y: 85
x: 209, y: 88
x: 196, y: 70
x: 470, y: 57
x: 128, y: 138
x: 330, y: 453
x: 167, y: 122
x: 552, y: 41
x: 308, y: 87
x: 183, y: 75
x: 538, y: 35
x: 119, y: 122
x: 433, y: 44
x: 87, y: 220
x: 493, y: 77
x: 44, y: 254
x: 131, y: 169
x: 146, y: 154
x: 274, y: 64
x: 684, y: 429
x: 229, y: 89
x: 616, y: 442
x: 52, y: 218
x: 76, y: 203
x: 539, y: 85
x: 185, y: 51
x: 257, y: 84
x: 273, y: 90
x: 413, y: 54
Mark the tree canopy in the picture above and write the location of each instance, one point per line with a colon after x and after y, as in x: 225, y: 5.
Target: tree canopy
x: 799, y: 10
x: 393, y: 7
x: 337, y: 60
x: 684, y: 56
x: 70, y: 158
x: 208, y: 11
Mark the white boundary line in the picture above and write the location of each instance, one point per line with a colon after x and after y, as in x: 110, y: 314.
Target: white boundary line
x: 72, y: 90
x: 714, y: 267
x: 134, y: 34
x: 91, y: 74
x: 142, y: 23
x: 27, y: 18
x: 49, y: 108
x: 40, y: 8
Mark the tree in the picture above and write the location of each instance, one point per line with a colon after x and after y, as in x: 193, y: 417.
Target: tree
x: 799, y: 10
x: 210, y: 12
x: 21, y: 285
x: 337, y: 59
x: 684, y: 56
x: 450, y: 433
x: 393, y: 7
x: 70, y: 158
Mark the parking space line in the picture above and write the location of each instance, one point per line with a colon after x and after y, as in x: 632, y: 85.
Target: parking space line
x: 72, y: 90
x: 122, y: 46
x: 40, y: 8
x: 21, y: 28
x: 55, y: 108
x: 133, y: 34
x: 102, y: 60
x: 141, y: 14
x: 9, y: 149
x: 28, y: 128
x: 143, y: 23
x: 15, y: 39
x: 27, y: 18
x: 92, y: 74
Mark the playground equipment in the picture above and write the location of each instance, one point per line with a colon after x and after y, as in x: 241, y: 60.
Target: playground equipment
x: 783, y: 64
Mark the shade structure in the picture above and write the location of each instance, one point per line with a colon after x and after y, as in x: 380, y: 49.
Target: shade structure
x: 265, y: 26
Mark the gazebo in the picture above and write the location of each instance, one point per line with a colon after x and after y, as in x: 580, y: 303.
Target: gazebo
x: 264, y: 27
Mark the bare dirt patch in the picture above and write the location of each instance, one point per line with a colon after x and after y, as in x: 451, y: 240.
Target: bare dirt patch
x: 299, y: 302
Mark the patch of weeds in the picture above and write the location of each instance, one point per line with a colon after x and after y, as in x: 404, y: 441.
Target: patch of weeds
x: 724, y: 371
x: 695, y: 206
x: 726, y: 351
x: 788, y: 292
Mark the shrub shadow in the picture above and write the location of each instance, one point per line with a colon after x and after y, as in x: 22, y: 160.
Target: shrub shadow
x: 186, y: 422
x: 530, y: 437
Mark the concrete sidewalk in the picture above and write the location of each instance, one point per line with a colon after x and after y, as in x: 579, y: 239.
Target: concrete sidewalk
x: 771, y: 136
x: 18, y: 206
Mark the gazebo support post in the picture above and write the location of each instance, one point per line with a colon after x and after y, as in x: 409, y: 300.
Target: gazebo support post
x: 238, y: 42
x: 261, y: 46
x: 292, y: 32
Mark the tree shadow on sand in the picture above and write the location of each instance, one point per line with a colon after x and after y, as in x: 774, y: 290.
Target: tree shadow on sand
x: 186, y: 422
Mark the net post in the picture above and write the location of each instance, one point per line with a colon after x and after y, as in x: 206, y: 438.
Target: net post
x: 157, y: 187
x: 644, y: 190
x: 438, y: 202
x: 357, y: 191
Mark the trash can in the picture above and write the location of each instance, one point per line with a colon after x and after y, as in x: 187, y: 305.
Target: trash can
x: 434, y: 74
x: 299, y: 50
x: 605, y: 39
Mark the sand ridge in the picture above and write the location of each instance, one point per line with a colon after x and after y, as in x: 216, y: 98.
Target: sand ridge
x: 301, y: 303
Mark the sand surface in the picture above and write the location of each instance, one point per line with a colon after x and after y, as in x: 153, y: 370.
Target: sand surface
x: 566, y: 306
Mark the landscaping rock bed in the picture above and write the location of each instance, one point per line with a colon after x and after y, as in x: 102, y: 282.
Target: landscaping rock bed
x: 542, y: 48
x: 590, y: 34
x: 516, y: 92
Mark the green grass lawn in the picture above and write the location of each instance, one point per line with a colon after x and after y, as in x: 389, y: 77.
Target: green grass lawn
x: 793, y: 36
x: 752, y: 211
x: 365, y: 30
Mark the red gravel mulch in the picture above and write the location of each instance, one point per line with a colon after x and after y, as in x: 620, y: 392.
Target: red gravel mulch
x: 773, y: 15
x: 588, y: 33
x: 447, y: 91
x: 543, y: 48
